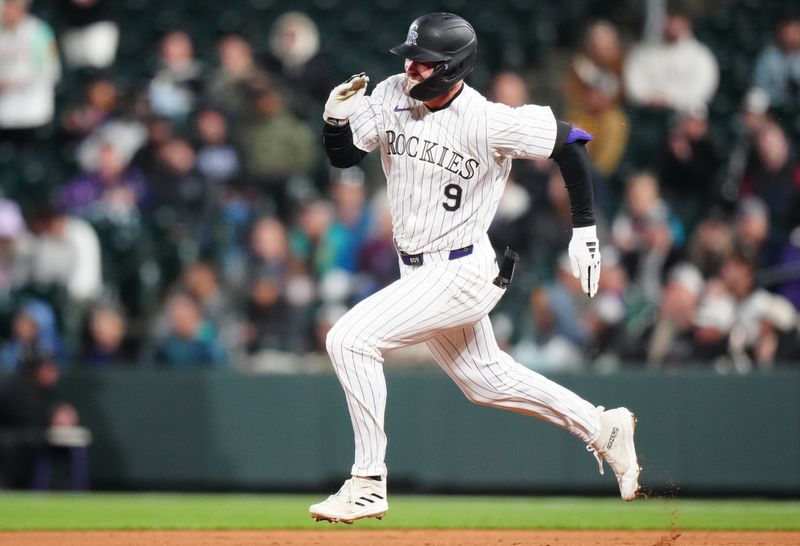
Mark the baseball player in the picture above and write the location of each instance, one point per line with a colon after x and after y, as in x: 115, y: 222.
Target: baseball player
x: 446, y: 152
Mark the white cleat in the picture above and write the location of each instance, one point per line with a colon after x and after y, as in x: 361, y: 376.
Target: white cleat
x: 358, y: 498
x: 615, y: 446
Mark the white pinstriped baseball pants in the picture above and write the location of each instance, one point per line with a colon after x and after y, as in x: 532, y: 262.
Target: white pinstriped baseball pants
x: 444, y: 303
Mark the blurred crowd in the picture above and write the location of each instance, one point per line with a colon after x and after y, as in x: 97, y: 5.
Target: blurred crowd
x: 188, y: 219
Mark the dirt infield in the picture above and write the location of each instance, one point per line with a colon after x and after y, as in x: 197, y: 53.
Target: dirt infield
x: 355, y: 537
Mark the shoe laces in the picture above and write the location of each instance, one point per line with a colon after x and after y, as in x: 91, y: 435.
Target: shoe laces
x: 349, y: 490
x: 345, y: 492
x: 597, y: 456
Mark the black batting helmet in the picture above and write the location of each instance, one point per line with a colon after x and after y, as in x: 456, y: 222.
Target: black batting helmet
x: 443, y: 38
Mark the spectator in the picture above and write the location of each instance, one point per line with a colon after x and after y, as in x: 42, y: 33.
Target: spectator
x: 689, y: 166
x: 115, y: 191
x: 33, y: 331
x: 272, y: 324
x: 159, y: 130
x: 90, y: 36
x: 593, y: 93
x: 200, y: 279
x: 218, y: 160
x: 777, y: 68
x: 126, y: 135
x: 29, y: 71
x: 183, y: 209
x: 642, y: 201
x: 60, y: 250
x: 677, y: 72
x: 752, y: 117
x: 774, y: 176
x: 738, y: 276
x: 753, y: 237
x: 277, y: 287
x: 27, y: 410
x: 352, y: 220
x: 100, y: 105
x: 177, y: 184
x: 336, y: 249
x: 711, y: 243
x: 309, y: 249
x: 713, y: 324
x: 276, y: 147
x: 107, y: 341
x: 510, y: 89
x: 294, y: 44
x: 669, y: 340
x: 647, y: 266
x: 231, y: 86
x: 778, y: 340
x: 219, y: 305
x: 101, y: 119
x: 176, y: 86
x: 115, y: 198
x: 190, y: 340
x: 269, y: 249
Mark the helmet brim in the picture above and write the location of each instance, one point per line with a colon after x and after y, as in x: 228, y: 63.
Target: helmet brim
x: 417, y: 53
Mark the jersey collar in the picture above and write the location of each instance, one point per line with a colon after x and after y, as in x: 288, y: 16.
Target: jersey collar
x: 448, y: 103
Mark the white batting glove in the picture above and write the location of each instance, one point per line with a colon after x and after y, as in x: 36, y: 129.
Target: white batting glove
x: 584, y: 257
x: 345, y: 98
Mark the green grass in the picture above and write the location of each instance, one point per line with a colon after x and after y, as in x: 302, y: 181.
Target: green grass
x: 28, y: 511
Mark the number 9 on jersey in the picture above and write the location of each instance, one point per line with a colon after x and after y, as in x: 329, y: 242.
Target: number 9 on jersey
x: 453, y: 194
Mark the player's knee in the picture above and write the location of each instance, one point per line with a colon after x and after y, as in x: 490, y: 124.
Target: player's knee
x: 334, y: 341
x: 340, y: 340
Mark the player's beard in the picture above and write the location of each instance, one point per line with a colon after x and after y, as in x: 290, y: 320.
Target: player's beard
x: 409, y: 84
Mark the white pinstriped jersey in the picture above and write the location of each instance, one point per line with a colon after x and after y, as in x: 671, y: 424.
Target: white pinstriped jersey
x: 446, y: 169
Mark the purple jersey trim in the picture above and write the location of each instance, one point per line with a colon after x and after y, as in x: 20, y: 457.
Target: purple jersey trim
x: 576, y: 134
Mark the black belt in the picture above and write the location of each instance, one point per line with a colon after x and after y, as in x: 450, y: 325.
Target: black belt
x: 416, y: 259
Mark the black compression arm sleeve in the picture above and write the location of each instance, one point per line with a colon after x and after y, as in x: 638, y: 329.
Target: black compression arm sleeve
x: 577, y: 172
x: 562, y: 130
x: 338, y: 143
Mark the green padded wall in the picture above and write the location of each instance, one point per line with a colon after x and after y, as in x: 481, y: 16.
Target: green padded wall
x: 698, y: 433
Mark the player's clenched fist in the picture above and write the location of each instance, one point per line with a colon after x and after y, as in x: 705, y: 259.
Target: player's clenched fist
x: 345, y: 98
x: 584, y: 256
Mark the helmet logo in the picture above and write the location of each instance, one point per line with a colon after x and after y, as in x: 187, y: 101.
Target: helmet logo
x: 412, y: 35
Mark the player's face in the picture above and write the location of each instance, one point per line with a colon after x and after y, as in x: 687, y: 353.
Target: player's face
x: 417, y: 72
